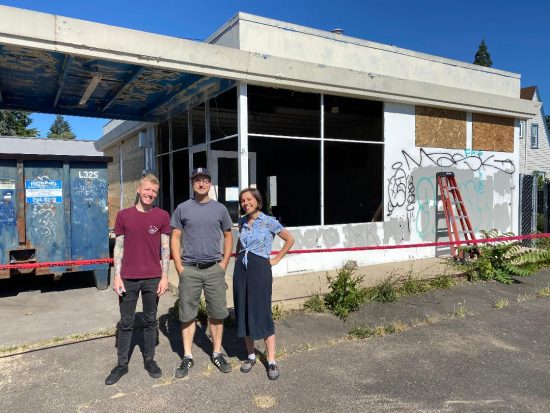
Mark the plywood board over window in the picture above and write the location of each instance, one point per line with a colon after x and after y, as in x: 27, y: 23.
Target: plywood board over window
x: 440, y: 128
x: 492, y: 133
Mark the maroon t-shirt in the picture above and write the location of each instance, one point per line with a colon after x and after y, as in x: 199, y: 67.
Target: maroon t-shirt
x: 141, y: 230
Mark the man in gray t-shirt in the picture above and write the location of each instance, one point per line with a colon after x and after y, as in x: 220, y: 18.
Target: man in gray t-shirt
x: 201, y: 221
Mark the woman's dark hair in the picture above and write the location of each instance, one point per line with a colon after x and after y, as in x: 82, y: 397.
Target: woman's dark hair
x: 256, y: 194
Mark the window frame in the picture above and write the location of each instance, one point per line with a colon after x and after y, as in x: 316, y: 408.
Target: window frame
x: 522, y: 127
x: 534, y: 136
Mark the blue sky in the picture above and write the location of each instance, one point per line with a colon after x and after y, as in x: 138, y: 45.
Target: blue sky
x: 517, y: 34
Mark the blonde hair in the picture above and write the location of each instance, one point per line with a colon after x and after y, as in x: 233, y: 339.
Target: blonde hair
x: 151, y: 178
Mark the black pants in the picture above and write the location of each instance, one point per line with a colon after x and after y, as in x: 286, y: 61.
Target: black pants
x: 127, y: 304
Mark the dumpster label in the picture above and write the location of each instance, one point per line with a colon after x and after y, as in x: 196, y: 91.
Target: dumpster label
x: 43, y: 190
x: 7, y: 184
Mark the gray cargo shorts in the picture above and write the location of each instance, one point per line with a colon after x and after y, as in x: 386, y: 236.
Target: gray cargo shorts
x: 192, y: 282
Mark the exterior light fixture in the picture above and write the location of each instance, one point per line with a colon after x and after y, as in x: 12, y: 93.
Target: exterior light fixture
x: 90, y: 89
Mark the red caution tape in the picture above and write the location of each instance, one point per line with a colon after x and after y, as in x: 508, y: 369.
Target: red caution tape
x: 74, y: 263
x: 368, y: 248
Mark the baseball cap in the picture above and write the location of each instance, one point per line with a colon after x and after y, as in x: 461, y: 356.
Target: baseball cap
x: 200, y: 172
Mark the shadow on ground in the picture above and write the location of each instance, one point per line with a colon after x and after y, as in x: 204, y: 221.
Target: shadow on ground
x: 232, y: 345
x: 45, y: 283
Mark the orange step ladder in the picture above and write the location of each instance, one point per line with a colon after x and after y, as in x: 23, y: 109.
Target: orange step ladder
x: 455, y: 210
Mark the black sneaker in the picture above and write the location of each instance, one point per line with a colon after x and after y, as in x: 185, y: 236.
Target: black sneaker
x: 116, y: 374
x: 272, y: 372
x: 221, y: 363
x: 247, y: 365
x: 152, y: 368
x: 185, y: 366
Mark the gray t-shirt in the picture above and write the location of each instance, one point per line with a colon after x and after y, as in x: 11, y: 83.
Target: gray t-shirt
x: 202, y: 225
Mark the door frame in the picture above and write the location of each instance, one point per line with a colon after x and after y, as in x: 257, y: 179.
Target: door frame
x: 212, y: 159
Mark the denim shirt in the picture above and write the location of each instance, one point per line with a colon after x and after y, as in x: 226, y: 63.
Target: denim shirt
x: 258, y: 238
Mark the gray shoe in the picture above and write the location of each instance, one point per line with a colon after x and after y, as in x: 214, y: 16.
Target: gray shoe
x: 272, y: 372
x: 247, y: 365
x: 221, y: 363
x: 185, y: 366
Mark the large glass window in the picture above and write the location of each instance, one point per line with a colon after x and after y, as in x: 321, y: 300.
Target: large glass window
x: 353, y: 119
x: 199, y: 127
x: 293, y: 167
x: 223, y: 115
x: 353, y: 182
x: 283, y: 112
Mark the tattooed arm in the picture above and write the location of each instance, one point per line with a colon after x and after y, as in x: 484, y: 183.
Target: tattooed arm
x: 118, y: 284
x: 165, y: 258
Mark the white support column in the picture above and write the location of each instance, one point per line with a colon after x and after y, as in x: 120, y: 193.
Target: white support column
x: 171, y: 164
x: 243, y: 135
x: 322, y: 166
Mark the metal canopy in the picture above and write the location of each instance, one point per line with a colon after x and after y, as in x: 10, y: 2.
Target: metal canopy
x: 53, y: 82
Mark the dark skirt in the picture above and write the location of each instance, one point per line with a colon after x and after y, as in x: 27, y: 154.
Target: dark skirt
x: 252, y: 297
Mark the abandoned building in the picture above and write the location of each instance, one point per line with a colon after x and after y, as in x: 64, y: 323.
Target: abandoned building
x: 343, y: 136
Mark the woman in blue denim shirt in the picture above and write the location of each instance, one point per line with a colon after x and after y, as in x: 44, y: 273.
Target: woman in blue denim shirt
x: 252, y: 278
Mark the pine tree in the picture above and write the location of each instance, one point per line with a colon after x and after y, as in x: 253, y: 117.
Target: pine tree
x: 60, y: 129
x: 483, y: 57
x: 15, y: 123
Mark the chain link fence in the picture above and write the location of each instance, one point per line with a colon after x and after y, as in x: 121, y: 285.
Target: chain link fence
x: 543, y: 209
x: 529, y: 206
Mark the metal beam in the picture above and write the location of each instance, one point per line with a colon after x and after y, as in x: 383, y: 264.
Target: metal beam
x: 66, y: 64
x: 123, y: 87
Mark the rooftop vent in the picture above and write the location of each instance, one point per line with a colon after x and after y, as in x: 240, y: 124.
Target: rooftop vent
x: 337, y: 31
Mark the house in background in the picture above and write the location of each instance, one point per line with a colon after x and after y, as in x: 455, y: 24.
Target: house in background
x: 534, y: 146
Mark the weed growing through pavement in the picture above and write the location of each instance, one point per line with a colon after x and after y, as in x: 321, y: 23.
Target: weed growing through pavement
x: 501, y: 302
x: 278, y: 312
x: 362, y: 332
x: 459, y: 312
x: 346, y: 291
x: 315, y: 304
x: 524, y: 297
x: 442, y: 282
x: 544, y: 291
x: 413, y: 286
x: 387, y: 291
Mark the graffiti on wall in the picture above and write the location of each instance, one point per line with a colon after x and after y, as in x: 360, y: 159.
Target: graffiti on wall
x: 412, y: 189
x: 44, y: 214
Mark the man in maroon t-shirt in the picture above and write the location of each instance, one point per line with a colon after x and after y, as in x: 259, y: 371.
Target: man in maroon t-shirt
x: 141, y: 256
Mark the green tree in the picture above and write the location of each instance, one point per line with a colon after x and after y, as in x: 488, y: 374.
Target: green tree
x: 483, y: 57
x: 60, y: 129
x: 15, y: 123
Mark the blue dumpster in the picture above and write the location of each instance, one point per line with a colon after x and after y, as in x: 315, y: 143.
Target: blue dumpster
x: 53, y: 208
